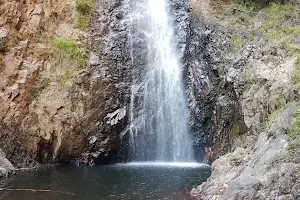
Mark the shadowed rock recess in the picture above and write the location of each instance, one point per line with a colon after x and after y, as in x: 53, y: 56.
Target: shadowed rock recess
x: 68, y: 74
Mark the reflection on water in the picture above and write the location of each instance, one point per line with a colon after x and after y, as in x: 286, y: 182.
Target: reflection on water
x: 133, y: 181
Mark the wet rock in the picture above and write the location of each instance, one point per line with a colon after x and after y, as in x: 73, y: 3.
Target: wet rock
x: 116, y: 116
x: 92, y: 139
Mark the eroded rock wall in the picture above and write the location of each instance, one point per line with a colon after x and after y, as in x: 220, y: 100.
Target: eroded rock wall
x: 37, y: 117
x: 261, y: 159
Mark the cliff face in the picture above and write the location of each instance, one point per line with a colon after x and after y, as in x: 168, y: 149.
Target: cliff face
x: 40, y: 109
x: 249, y: 53
x: 65, y: 91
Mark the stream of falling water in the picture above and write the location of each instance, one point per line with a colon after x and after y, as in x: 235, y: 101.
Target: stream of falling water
x: 159, y: 127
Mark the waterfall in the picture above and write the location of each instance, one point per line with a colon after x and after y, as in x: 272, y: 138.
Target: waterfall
x: 158, y: 108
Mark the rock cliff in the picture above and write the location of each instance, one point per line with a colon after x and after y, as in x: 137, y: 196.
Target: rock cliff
x: 248, y: 52
x: 67, y: 73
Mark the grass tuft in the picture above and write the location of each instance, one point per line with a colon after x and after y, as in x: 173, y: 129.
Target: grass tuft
x: 237, y: 42
x: 67, y: 52
x: 85, y: 9
x: 68, y: 56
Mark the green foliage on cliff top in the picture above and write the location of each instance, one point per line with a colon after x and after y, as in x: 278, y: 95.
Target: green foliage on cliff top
x: 294, y: 135
x: 259, y: 4
x: 280, y: 25
x: 85, y: 9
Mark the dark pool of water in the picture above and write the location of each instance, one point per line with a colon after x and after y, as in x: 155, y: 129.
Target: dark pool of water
x: 134, y: 181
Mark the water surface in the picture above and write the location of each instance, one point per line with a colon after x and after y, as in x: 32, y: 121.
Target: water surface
x: 120, y: 181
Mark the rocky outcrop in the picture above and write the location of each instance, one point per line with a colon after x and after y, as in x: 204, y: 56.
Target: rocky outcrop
x: 261, y: 75
x: 38, y: 116
x: 6, y: 168
x: 261, y: 170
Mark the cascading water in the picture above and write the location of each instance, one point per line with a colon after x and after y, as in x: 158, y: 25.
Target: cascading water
x: 158, y: 109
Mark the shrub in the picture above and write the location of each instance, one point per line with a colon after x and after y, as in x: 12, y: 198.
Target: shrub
x: 85, y: 9
x: 82, y: 22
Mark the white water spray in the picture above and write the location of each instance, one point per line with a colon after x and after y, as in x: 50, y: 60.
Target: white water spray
x: 159, y: 128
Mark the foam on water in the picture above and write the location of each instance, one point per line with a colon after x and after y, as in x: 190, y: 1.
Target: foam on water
x: 165, y: 164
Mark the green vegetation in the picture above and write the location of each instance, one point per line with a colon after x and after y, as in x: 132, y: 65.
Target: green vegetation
x: 85, y: 9
x: 70, y: 58
x: 294, y: 135
x: 38, y: 86
x: 250, y: 79
x: 65, y: 81
x: 296, y: 73
x: 255, y: 5
x: 237, y: 43
x: 276, y: 30
x: 67, y: 52
x: 234, y: 131
x: 270, y: 117
x: 251, y: 37
x: 280, y: 104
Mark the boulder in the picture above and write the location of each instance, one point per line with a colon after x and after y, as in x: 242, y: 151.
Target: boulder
x: 6, y: 167
x: 242, y: 187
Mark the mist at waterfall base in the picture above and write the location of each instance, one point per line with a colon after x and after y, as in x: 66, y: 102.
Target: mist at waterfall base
x: 132, y: 181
